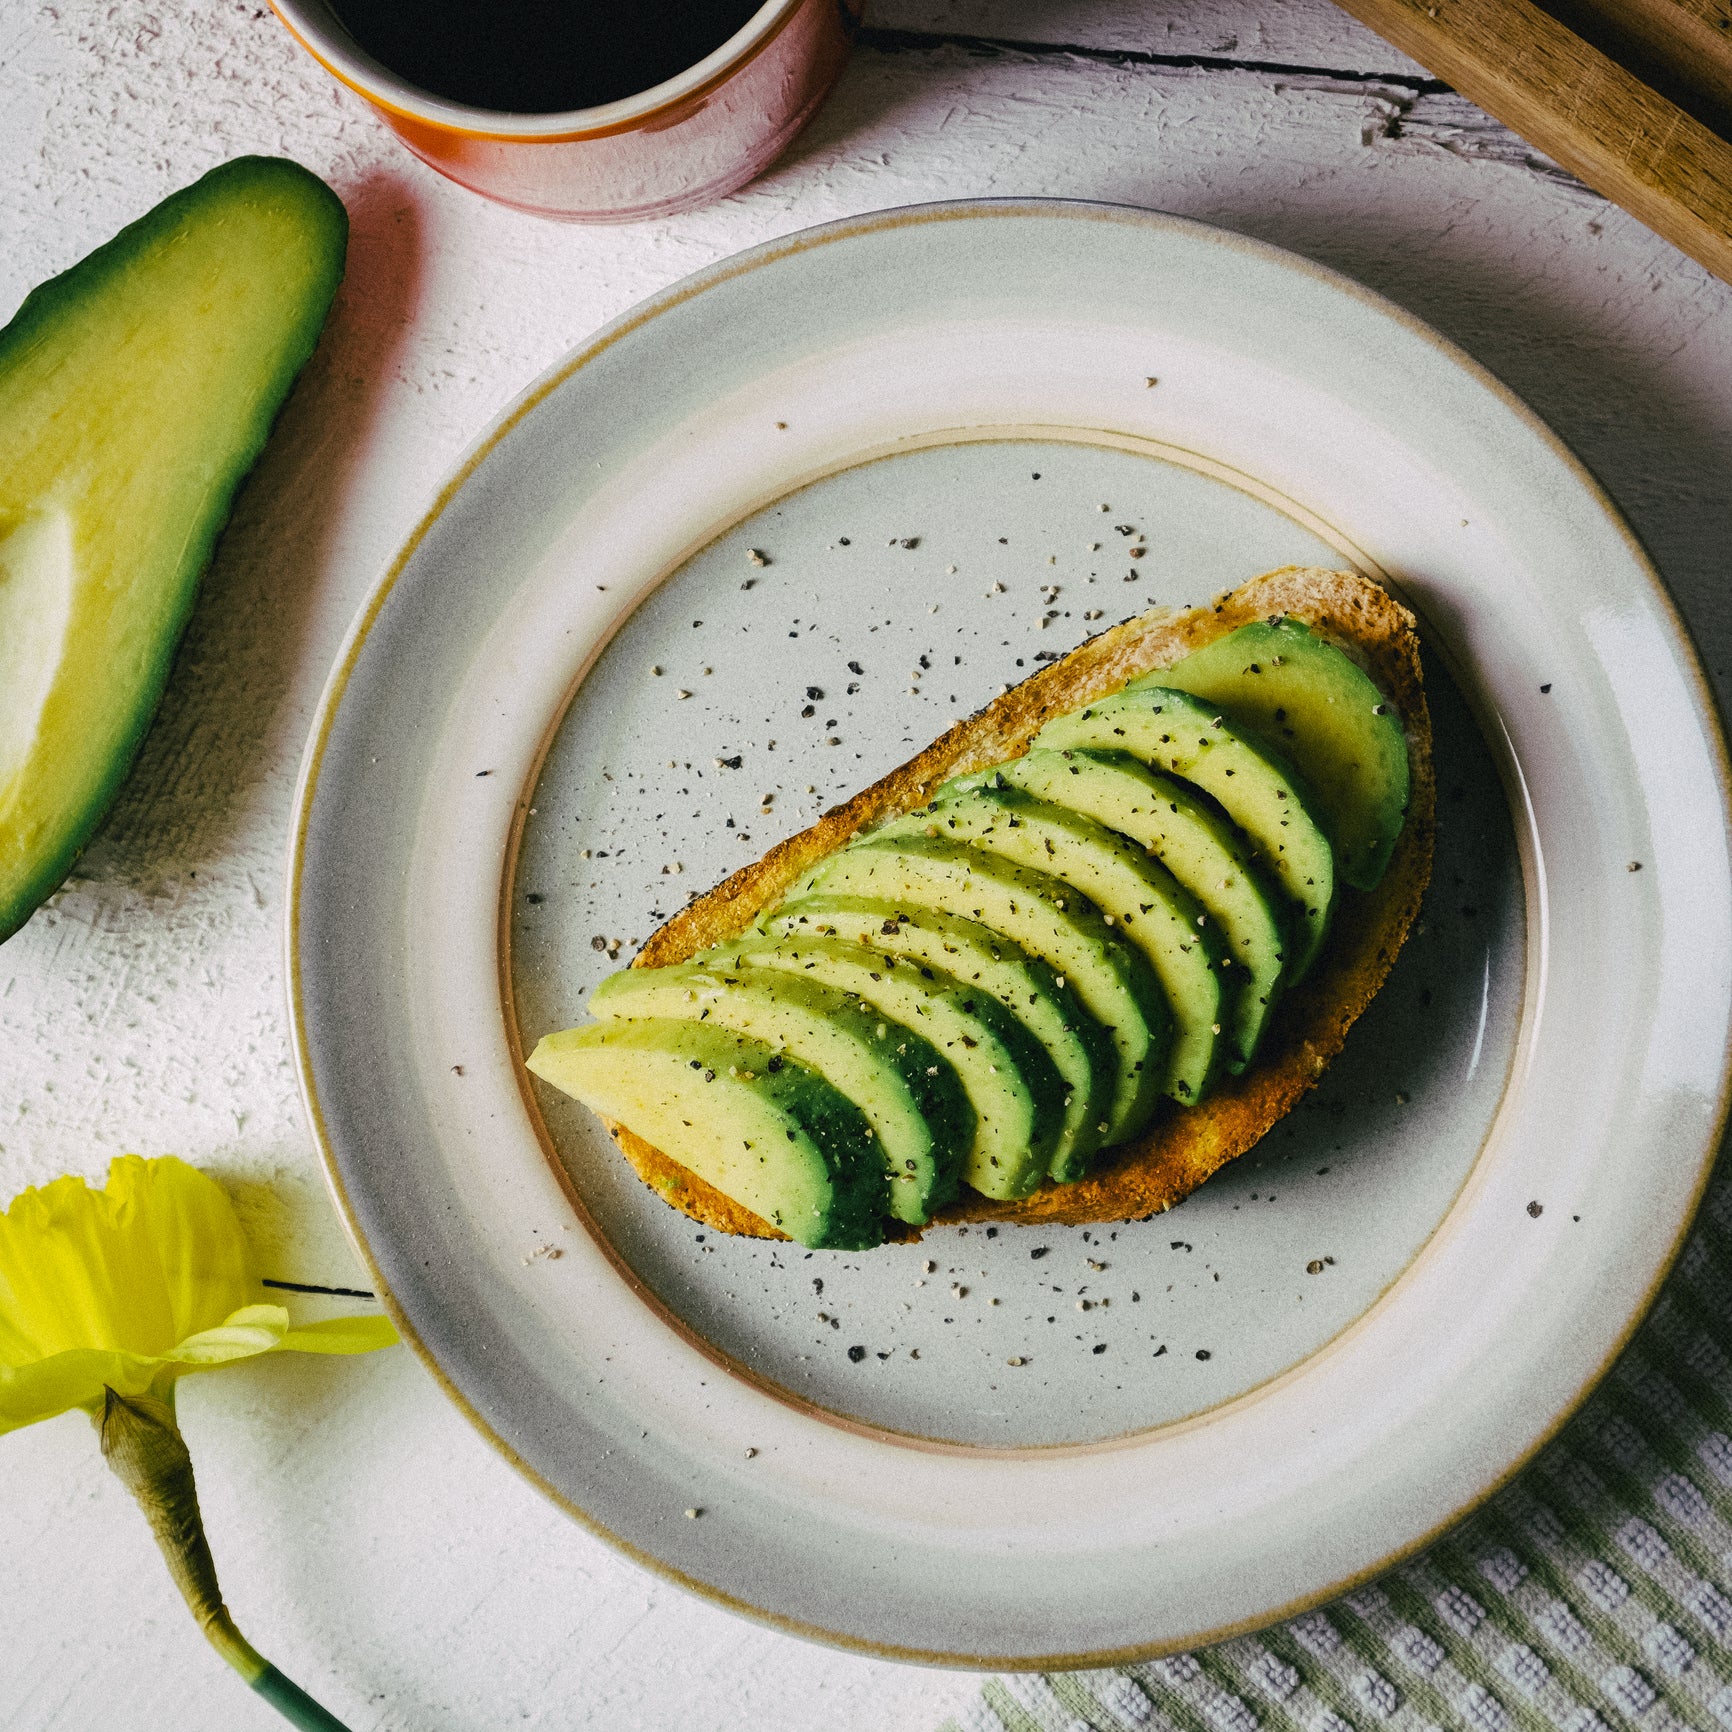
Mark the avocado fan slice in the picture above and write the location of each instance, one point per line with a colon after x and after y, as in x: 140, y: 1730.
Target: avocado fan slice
x: 136, y: 392
x: 1014, y: 1088
x: 760, y: 1127
x: 1172, y: 731
x: 1079, y: 1048
x: 1306, y: 697
x: 1135, y: 893
x: 909, y: 1093
x: 1047, y: 917
x: 1198, y: 845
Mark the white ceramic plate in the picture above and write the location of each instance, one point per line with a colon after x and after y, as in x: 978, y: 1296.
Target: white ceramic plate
x: 923, y: 420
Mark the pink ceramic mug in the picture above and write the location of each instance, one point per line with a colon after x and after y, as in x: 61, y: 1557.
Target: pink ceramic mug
x: 691, y: 139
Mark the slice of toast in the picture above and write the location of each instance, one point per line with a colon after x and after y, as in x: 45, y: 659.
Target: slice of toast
x: 1183, y: 1146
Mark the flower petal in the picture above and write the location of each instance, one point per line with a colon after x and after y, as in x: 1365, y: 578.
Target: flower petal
x: 49, y: 1386
x: 243, y: 1334
x: 187, y: 1220
x: 342, y: 1335
x: 155, y: 1257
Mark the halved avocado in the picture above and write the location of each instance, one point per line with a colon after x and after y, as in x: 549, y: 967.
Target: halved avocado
x: 1016, y: 1093
x: 136, y: 391
x: 761, y: 1128
x: 1080, y: 1049
x: 909, y: 1093
x: 1173, y: 731
x: 1045, y: 916
x: 1197, y: 845
x: 1133, y: 891
x: 1301, y: 694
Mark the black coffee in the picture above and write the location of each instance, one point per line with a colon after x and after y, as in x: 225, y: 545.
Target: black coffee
x: 540, y: 56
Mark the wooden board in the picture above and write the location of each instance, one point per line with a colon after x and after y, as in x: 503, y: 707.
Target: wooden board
x: 1582, y: 107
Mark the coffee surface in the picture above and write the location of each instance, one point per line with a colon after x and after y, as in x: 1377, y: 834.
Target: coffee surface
x: 540, y: 56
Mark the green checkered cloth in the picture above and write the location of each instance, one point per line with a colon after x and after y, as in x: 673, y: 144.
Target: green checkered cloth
x: 1594, y: 1594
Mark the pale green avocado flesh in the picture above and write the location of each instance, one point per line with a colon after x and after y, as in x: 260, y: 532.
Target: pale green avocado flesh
x: 1010, y: 1082
x: 909, y: 1093
x: 762, y: 1128
x: 1045, y: 916
x: 136, y: 392
x: 1198, y: 845
x: 1079, y: 1048
x: 1302, y: 695
x: 1135, y: 893
x: 1175, y: 732
x: 1009, y: 979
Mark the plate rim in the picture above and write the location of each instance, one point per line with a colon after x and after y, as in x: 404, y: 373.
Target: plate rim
x: 510, y: 416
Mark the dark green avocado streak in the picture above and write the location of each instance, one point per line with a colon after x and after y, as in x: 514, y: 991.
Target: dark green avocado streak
x: 52, y: 817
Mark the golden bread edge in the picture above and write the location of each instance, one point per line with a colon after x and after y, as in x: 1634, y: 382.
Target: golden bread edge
x: 1183, y: 1147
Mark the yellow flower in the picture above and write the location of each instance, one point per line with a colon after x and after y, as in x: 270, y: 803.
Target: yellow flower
x: 133, y: 1286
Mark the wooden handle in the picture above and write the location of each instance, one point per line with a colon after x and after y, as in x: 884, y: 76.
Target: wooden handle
x: 1682, y: 47
x: 1579, y: 106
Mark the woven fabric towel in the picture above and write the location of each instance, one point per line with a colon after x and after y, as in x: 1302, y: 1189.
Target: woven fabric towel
x: 1594, y: 1594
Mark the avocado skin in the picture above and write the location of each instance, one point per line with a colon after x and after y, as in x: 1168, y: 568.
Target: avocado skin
x: 197, y: 216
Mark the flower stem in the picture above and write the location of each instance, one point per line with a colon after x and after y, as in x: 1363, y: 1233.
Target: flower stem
x: 143, y: 1445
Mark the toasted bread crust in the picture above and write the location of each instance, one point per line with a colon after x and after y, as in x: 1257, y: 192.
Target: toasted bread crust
x: 1184, y: 1146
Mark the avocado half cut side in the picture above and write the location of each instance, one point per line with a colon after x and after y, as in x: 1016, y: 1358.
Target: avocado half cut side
x: 136, y: 392
x: 750, y: 1121
x: 1313, y: 703
x: 1080, y: 1049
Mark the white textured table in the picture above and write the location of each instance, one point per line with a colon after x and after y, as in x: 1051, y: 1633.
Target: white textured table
x: 368, y: 1539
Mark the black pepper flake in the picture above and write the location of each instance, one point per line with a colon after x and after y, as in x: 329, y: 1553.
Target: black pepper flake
x: 814, y: 691
x: 843, y: 541
x: 775, y: 1064
x: 1099, y: 1346
x: 856, y: 1354
x: 535, y: 896
x: 1202, y: 1353
x: 598, y: 942
x: 1546, y: 687
x: 1536, y: 1208
x: 855, y: 668
x: 1039, y: 1251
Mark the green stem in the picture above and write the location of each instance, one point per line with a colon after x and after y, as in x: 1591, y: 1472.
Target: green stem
x: 143, y: 1445
x: 294, y: 1704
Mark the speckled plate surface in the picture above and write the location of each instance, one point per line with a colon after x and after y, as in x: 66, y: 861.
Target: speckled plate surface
x: 749, y: 549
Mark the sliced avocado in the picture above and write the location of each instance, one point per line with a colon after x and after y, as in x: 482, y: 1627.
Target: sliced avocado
x: 761, y: 1128
x: 1133, y: 891
x: 1173, y: 731
x: 136, y: 391
x: 1197, y: 845
x: 1079, y: 1048
x: 1300, y: 693
x: 909, y: 1093
x: 1017, y: 1095
x: 1045, y: 916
